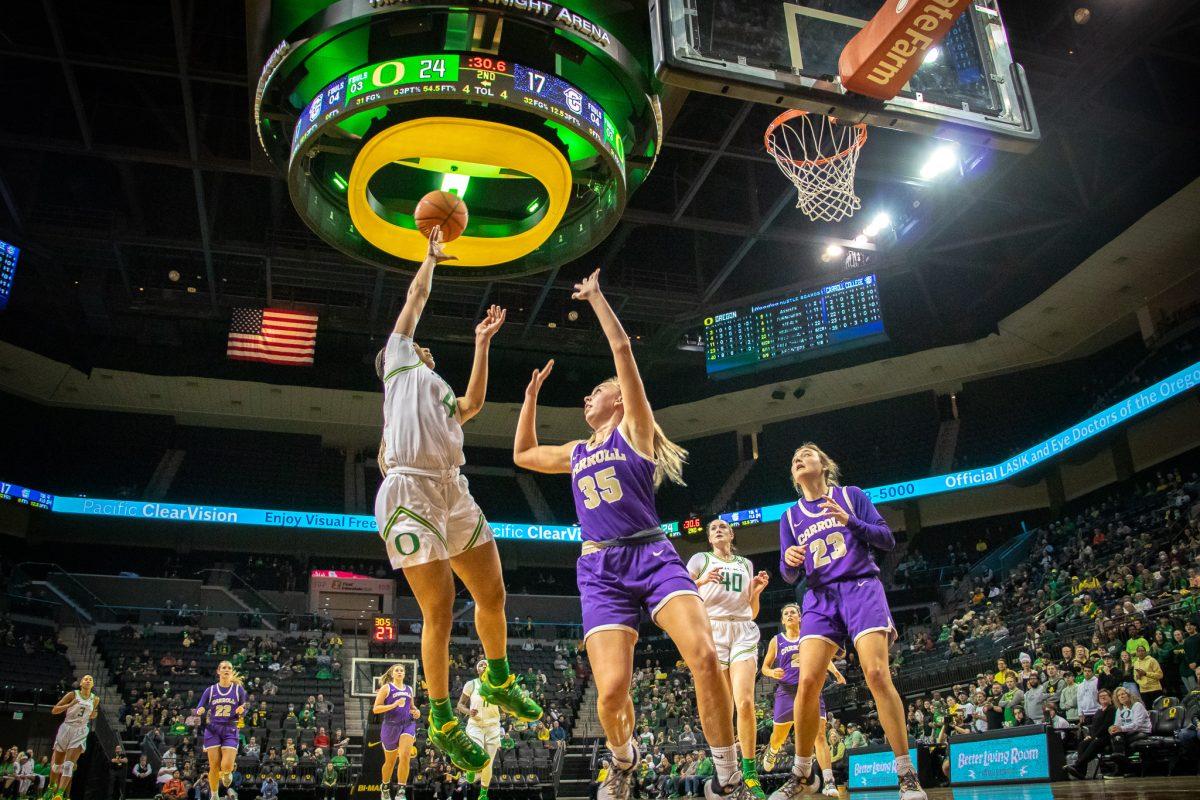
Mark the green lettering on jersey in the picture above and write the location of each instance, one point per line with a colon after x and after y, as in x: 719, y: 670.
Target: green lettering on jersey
x: 450, y: 403
x: 732, y: 581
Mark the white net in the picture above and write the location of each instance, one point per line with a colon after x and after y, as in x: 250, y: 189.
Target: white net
x: 819, y: 155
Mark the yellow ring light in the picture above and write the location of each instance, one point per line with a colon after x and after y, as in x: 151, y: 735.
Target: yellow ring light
x: 460, y: 140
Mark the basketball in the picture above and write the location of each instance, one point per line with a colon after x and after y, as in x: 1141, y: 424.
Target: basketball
x: 444, y: 209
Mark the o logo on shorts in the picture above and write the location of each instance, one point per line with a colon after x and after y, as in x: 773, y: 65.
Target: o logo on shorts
x: 397, y: 543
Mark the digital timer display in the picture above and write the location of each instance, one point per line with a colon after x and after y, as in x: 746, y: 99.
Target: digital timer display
x: 384, y: 630
x: 812, y: 323
x: 692, y: 526
x: 467, y: 77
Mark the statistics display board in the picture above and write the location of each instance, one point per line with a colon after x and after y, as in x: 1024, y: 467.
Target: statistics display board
x: 813, y: 323
x: 9, y: 254
x: 27, y: 497
x: 482, y: 78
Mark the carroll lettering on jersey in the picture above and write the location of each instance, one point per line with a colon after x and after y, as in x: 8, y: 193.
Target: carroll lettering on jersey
x: 817, y: 527
x: 599, y: 457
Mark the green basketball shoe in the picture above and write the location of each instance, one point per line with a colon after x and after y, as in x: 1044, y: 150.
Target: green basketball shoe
x: 463, y: 753
x: 512, y: 697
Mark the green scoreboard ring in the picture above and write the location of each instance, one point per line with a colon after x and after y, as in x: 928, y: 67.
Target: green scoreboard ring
x: 599, y: 129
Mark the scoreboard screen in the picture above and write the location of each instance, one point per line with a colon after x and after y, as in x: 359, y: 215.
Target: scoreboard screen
x: 26, y: 497
x: 814, y: 323
x: 384, y: 630
x: 8, y: 269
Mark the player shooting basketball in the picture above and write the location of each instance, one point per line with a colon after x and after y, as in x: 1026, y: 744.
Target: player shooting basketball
x: 430, y: 524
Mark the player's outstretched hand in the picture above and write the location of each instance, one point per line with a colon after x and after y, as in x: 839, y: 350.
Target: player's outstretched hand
x: 831, y: 507
x: 488, y: 326
x: 538, y: 378
x: 794, y: 556
x: 760, y: 581
x: 435, y: 246
x: 587, y: 289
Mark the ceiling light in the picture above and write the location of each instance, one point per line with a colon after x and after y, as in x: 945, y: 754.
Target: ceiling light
x: 943, y: 159
x: 933, y: 55
x: 455, y: 184
x: 834, y: 251
x: 882, y: 220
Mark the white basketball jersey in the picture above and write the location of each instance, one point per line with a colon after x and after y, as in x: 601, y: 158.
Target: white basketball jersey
x: 420, y: 412
x: 730, y: 597
x: 81, y: 712
x: 489, y: 714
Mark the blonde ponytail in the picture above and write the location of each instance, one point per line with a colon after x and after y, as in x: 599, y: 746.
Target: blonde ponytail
x: 668, y: 457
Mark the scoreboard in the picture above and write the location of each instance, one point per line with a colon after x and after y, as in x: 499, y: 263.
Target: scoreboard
x: 814, y: 323
x: 482, y: 78
x: 384, y: 630
x: 26, y: 497
x: 8, y: 269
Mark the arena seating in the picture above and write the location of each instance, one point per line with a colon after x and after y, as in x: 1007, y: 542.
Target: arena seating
x: 33, y: 666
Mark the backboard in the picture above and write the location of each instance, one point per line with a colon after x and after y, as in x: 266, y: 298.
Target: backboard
x: 786, y: 54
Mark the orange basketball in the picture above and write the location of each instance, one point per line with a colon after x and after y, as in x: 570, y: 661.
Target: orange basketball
x: 444, y: 209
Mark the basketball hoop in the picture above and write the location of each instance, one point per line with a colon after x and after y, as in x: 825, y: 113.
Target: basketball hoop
x: 819, y: 155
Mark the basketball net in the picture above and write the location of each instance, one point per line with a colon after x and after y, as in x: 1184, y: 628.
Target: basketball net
x: 819, y: 155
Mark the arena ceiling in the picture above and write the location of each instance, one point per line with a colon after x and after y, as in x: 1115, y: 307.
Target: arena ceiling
x: 127, y: 152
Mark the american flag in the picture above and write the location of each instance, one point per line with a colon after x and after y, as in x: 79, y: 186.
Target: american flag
x: 272, y: 335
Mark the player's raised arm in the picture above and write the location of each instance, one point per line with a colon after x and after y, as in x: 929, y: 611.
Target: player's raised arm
x: 471, y: 403
x: 422, y: 283
x: 638, y: 416
x: 527, y: 453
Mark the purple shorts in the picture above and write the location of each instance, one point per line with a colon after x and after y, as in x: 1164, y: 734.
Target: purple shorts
x: 785, y: 703
x: 616, y: 584
x: 842, y: 611
x: 389, y: 734
x: 220, y: 736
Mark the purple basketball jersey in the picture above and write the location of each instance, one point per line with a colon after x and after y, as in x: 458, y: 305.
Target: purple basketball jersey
x: 834, y: 552
x: 402, y: 714
x: 221, y: 705
x: 785, y: 650
x: 613, y: 487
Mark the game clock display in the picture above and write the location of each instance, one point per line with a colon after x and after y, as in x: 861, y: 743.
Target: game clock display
x: 813, y: 323
x: 384, y: 630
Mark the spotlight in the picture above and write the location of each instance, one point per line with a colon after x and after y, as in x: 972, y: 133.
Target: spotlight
x: 834, y: 251
x: 941, y: 160
x: 882, y: 220
x: 455, y: 184
x: 1082, y: 16
x: 932, y: 56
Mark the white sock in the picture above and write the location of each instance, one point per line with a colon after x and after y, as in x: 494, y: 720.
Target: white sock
x: 904, y: 765
x: 802, y: 765
x: 827, y: 774
x: 725, y: 760
x: 623, y: 754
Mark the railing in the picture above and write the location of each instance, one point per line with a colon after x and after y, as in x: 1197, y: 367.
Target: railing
x: 260, y: 604
x: 28, y: 572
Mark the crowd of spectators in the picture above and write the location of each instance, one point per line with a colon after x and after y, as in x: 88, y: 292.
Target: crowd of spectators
x: 291, y: 731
